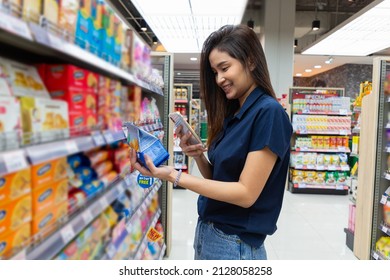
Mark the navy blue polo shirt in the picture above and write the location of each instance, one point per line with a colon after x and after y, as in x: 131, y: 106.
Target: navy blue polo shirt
x: 261, y: 122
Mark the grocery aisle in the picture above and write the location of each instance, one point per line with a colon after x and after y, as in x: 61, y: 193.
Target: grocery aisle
x: 311, y: 227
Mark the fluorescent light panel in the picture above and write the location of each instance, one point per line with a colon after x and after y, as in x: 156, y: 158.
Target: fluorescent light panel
x: 183, y: 25
x: 365, y: 33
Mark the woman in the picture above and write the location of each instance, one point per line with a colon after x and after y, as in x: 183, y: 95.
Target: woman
x: 248, y: 150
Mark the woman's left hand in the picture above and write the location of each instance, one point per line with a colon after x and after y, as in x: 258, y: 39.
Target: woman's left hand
x: 162, y: 172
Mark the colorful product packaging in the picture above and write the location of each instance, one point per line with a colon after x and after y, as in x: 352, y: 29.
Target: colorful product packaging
x: 45, y: 221
x: 47, y: 196
x: 15, y: 240
x: 44, y: 119
x: 68, y: 15
x: 15, y: 213
x: 10, y: 122
x: 15, y: 185
x: 51, y: 9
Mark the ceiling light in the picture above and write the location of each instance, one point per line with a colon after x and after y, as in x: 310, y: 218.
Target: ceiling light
x: 193, y: 59
x: 308, y: 70
x: 155, y: 40
x: 179, y: 73
x: 182, y: 26
x: 317, y: 66
x: 250, y: 23
x: 365, y: 33
x: 315, y: 25
x: 329, y: 60
x: 295, y: 43
x: 298, y: 74
x: 143, y: 25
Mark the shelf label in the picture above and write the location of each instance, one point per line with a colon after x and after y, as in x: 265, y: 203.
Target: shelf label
x: 343, y: 112
x: 109, y: 138
x: 375, y: 255
x: 339, y: 187
x: 71, y: 147
x: 14, y: 25
x: 387, y: 176
x: 302, y: 186
x: 311, y: 166
x: 103, y: 202
x: 21, y: 255
x: 40, y: 34
x: 111, y: 250
x: 87, y: 216
x: 385, y: 228
x: 67, y: 233
x: 384, y: 199
x: 304, y: 149
x: 121, y: 187
x: 344, y: 167
x: 320, y: 167
x: 14, y: 161
x: 129, y: 227
x: 331, y: 167
x: 298, y: 166
x: 343, y: 132
x: 98, y: 139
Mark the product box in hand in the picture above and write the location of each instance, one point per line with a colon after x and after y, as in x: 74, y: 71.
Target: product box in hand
x: 10, y: 122
x: 145, y: 144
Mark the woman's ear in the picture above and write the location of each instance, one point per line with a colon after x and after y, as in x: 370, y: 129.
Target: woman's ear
x: 251, y: 65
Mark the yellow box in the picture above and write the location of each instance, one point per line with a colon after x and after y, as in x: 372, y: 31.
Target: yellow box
x: 51, y: 10
x: 32, y: 10
x: 45, y: 221
x: 16, y: 239
x: 15, y: 213
x: 14, y: 185
x: 42, y: 174
x: 49, y: 195
x: 60, y: 167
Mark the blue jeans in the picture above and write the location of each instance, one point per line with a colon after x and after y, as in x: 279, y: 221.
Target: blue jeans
x: 212, y: 244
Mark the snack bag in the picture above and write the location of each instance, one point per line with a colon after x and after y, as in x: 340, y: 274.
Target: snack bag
x: 145, y: 144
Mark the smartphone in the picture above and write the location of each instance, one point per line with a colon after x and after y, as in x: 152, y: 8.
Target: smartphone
x: 178, y: 120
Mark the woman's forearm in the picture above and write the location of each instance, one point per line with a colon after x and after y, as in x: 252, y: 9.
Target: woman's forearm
x: 204, y: 166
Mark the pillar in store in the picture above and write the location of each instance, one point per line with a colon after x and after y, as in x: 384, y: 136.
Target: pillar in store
x: 277, y: 20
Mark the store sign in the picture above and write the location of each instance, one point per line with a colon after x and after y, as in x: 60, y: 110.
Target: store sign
x: 145, y: 181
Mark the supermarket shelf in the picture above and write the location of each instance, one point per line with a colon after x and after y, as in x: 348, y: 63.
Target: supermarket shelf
x: 321, y: 167
x: 144, y: 241
x: 12, y: 161
x: 356, y: 130
x: 321, y: 132
x: 338, y: 150
x: 162, y: 252
x: 49, y: 151
x: 385, y: 228
x: 58, y: 240
x: 123, y: 228
x: 318, y: 189
x: 331, y: 113
x: 34, y: 39
x: 378, y: 256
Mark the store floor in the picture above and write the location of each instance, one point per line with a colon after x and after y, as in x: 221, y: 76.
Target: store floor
x: 310, y: 227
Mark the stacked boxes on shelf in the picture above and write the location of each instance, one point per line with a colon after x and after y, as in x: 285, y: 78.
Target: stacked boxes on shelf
x: 15, y: 211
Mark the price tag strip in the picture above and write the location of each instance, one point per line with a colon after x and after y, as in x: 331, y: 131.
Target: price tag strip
x: 98, y: 139
x: 87, y: 216
x: 14, y: 161
x: 67, y: 233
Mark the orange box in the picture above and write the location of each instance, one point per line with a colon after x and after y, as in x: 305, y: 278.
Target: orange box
x: 43, y: 222
x: 60, y: 167
x: 15, y: 213
x: 14, y: 185
x: 15, y: 240
x: 42, y: 174
x: 49, y: 195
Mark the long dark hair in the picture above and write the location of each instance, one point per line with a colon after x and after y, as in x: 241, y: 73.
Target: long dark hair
x: 241, y: 43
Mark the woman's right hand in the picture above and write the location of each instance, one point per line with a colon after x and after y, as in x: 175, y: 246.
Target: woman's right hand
x: 194, y: 151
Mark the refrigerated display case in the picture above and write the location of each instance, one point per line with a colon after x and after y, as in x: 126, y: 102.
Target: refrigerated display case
x: 372, y: 202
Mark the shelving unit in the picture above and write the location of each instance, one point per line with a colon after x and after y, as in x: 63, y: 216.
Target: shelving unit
x: 32, y: 43
x: 182, y: 104
x: 321, y: 123
x: 371, y: 226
